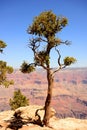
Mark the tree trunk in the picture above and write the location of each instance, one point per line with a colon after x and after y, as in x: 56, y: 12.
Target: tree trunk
x: 48, y: 98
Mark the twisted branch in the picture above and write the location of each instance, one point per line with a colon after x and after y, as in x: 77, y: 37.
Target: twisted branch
x: 61, y: 66
x: 34, y: 48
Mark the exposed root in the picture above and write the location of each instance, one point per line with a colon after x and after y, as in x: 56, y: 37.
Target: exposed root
x: 38, y: 117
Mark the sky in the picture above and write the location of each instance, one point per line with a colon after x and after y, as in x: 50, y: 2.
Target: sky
x: 17, y: 15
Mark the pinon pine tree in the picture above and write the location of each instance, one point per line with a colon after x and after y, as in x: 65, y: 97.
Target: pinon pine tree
x: 44, y: 39
x: 4, y: 69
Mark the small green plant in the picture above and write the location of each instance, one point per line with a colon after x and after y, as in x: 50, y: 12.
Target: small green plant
x: 19, y: 100
x: 4, y: 69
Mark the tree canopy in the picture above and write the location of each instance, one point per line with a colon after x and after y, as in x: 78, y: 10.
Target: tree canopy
x: 44, y: 29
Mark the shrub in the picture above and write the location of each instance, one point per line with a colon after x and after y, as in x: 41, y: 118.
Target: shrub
x: 19, y: 100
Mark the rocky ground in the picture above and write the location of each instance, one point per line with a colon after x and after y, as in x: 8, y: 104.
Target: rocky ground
x: 27, y: 119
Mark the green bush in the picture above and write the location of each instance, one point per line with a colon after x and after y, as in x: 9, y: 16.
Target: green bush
x: 19, y: 100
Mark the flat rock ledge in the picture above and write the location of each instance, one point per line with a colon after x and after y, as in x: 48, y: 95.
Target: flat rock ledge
x: 29, y: 113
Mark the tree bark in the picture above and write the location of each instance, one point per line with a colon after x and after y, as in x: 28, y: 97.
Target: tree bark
x: 47, y: 114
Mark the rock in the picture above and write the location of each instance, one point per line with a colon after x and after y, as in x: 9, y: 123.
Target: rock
x: 29, y: 111
x: 68, y: 124
x: 6, y: 118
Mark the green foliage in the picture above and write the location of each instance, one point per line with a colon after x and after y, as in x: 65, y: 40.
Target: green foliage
x: 19, y: 100
x: 47, y: 24
x: 44, y: 27
x: 27, y: 68
x: 42, y: 58
x: 69, y: 60
x: 2, y: 45
x: 4, y: 69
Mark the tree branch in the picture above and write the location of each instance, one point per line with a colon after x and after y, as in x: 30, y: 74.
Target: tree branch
x: 61, y: 66
x: 40, y: 62
x: 33, y: 45
x: 43, y: 40
x: 66, y: 42
x: 58, y: 57
x: 34, y: 48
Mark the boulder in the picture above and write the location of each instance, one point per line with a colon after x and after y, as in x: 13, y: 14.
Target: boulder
x: 28, y: 112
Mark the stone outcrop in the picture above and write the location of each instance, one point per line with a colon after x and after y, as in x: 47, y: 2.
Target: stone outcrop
x: 21, y: 119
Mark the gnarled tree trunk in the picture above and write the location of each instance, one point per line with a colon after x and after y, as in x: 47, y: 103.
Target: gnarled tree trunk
x: 48, y: 99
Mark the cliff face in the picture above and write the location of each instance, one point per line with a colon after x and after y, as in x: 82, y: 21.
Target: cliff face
x: 7, y: 121
x: 69, y: 91
x: 70, y: 106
